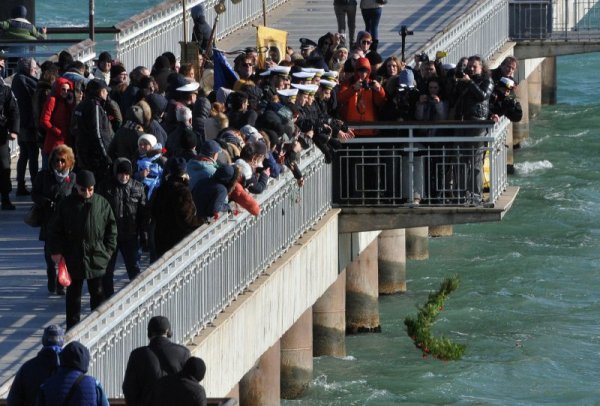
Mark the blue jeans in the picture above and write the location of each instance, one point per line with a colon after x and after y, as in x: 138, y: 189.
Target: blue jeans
x: 372, y: 17
x: 130, y: 250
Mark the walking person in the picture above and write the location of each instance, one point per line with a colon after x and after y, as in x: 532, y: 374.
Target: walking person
x: 146, y: 365
x: 50, y: 187
x: 70, y: 385
x: 23, y: 86
x: 84, y: 233
x: 9, y: 128
x: 371, y: 13
x: 346, y: 9
x: 34, y: 372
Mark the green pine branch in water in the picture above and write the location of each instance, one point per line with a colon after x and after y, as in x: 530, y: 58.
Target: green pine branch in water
x: 419, y: 328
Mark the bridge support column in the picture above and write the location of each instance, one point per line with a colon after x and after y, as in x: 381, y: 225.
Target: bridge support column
x: 441, y: 231
x: 329, y: 320
x: 534, y: 84
x: 261, y: 385
x: 549, y: 80
x: 521, y: 129
x: 417, y: 243
x: 297, y: 357
x: 362, y: 292
x: 392, y: 261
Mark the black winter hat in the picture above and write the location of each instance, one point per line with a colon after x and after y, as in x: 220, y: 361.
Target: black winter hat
x: 158, y: 103
x: 159, y: 325
x: 195, y: 368
x: 188, y: 140
x: 124, y: 166
x: 176, y: 166
x: 85, y: 179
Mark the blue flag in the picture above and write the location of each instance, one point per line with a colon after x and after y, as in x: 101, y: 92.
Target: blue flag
x: 225, y: 76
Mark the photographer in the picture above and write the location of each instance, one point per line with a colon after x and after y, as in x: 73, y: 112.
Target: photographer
x: 362, y: 96
x: 504, y: 103
x: 430, y: 106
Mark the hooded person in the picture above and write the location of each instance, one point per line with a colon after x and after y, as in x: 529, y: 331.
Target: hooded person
x: 204, y: 164
x: 173, y: 210
x: 35, y: 371
x: 183, y: 388
x: 125, y: 142
x: 71, y: 382
x: 158, y: 105
x: 211, y: 194
x: 56, y: 115
x: 361, y: 96
x: 202, y: 29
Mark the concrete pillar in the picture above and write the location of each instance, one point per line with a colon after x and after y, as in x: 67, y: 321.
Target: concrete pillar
x: 392, y: 261
x: 329, y: 320
x: 549, y: 80
x: 297, y: 357
x: 417, y: 243
x: 441, y: 231
x: 534, y: 91
x: 362, y: 307
x: 510, y: 153
x: 261, y: 385
x: 521, y: 129
x: 8, y: 5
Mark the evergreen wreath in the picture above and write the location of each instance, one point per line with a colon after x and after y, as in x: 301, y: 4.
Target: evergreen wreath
x: 419, y: 328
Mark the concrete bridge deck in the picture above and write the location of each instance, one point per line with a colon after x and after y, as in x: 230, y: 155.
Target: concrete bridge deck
x: 26, y: 307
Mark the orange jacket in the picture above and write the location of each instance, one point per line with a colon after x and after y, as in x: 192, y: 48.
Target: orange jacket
x: 244, y: 199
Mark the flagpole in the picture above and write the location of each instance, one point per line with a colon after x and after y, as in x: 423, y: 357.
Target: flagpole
x: 264, y: 7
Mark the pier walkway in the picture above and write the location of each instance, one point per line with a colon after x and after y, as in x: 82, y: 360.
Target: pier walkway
x: 26, y: 307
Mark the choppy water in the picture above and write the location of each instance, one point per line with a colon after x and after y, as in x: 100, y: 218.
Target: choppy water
x: 528, y: 304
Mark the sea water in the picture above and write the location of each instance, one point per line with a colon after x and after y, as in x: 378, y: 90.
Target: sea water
x: 528, y: 306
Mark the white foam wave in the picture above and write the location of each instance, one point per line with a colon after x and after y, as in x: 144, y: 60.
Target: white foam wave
x: 321, y: 381
x: 527, y: 168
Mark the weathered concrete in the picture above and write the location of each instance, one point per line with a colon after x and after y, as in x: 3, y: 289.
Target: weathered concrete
x: 260, y: 385
x: 534, y: 91
x: 362, y: 307
x: 392, y: 261
x: 329, y: 320
x: 549, y: 80
x: 510, y: 154
x: 417, y: 243
x: 441, y: 231
x: 272, y: 304
x: 297, y: 357
x: 521, y: 129
x: 546, y: 48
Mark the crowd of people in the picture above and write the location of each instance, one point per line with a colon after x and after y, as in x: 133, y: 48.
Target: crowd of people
x: 158, y: 374
x: 137, y: 158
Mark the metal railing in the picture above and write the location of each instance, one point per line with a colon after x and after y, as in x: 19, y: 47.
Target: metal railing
x: 414, y: 164
x: 197, y: 279
x: 481, y: 30
x: 145, y: 36
x: 554, y: 20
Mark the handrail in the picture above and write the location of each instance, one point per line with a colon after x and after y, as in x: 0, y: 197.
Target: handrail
x: 194, y: 281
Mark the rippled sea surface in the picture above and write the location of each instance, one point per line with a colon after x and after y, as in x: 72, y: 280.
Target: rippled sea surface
x: 529, y: 301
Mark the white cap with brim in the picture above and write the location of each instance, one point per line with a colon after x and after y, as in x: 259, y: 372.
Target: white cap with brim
x: 303, y: 75
x: 190, y: 87
x: 306, y: 88
x: 318, y: 72
x: 287, y: 92
x: 327, y: 84
x: 281, y: 70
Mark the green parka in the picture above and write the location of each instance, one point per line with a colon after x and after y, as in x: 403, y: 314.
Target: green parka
x: 85, y: 233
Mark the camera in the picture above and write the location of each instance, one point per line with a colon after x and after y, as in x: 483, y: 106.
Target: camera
x: 365, y: 85
x: 404, y: 31
x: 459, y: 71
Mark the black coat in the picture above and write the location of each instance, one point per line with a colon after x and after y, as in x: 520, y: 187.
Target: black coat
x: 31, y: 376
x: 148, y: 364
x: 9, y: 123
x: 473, y: 98
x: 23, y: 87
x: 178, y: 390
x: 47, y: 192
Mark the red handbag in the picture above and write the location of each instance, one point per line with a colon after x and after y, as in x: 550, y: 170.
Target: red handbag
x: 63, y: 274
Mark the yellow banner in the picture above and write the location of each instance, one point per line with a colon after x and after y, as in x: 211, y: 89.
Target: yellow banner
x: 271, y: 45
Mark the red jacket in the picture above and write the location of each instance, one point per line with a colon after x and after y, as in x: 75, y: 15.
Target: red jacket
x: 244, y: 199
x: 56, y: 117
x: 360, y: 105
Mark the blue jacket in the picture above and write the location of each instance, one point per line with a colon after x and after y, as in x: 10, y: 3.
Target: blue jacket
x: 200, y: 169
x: 210, y: 194
x: 75, y: 360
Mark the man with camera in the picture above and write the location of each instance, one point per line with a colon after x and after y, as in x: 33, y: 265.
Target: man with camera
x: 362, y: 96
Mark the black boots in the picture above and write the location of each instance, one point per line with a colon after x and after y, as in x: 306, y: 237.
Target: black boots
x: 22, y: 190
x: 6, y: 203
